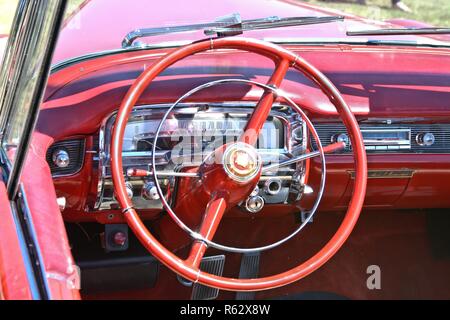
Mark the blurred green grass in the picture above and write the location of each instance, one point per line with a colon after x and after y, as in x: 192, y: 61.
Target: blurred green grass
x: 8, y: 8
x: 435, y: 12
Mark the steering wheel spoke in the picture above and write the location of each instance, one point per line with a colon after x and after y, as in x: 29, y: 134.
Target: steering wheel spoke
x: 211, y: 220
x: 262, y: 109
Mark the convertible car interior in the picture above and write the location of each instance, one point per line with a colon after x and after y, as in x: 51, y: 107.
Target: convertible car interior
x: 216, y: 153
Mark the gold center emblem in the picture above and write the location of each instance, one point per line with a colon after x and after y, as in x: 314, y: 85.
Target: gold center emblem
x: 241, y: 162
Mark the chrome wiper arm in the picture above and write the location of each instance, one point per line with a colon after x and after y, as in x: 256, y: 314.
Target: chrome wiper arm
x: 228, y: 25
x: 272, y: 22
x: 151, y: 32
x: 400, y: 31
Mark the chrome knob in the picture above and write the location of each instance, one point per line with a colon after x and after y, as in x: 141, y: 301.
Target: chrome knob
x: 341, y: 137
x: 61, y: 201
x: 60, y: 158
x: 254, y: 204
x: 149, y: 191
x: 129, y: 188
x: 272, y: 186
x: 425, y: 139
x: 307, y: 189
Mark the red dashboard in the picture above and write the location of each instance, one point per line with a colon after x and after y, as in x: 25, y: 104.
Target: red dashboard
x: 384, y: 86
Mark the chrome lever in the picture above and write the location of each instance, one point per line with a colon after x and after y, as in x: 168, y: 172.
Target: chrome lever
x: 145, y: 173
x: 291, y: 161
x: 328, y: 149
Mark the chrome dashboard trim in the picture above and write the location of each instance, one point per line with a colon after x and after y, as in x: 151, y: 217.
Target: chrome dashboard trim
x: 386, y: 174
x: 278, y: 111
x: 411, y: 125
x: 83, y: 153
x: 383, y: 142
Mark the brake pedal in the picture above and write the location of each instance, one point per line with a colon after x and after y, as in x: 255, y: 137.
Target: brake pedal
x: 249, y: 269
x: 213, y: 265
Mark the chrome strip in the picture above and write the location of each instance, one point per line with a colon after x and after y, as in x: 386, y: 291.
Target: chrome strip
x: 26, y: 256
x: 368, y: 142
x: 386, y: 174
x: 428, y: 42
x: 32, y: 232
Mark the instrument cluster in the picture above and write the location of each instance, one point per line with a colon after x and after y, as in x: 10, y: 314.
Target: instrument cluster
x: 190, y: 133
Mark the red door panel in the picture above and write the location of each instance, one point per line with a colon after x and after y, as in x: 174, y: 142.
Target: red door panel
x: 13, y: 275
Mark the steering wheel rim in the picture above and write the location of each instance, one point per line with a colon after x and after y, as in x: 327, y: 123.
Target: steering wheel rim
x: 285, y: 59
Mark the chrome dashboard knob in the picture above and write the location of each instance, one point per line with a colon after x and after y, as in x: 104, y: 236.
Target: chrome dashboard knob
x: 61, y: 158
x: 425, y: 139
x: 61, y: 201
x: 149, y: 191
x: 341, y: 137
x: 272, y: 186
x: 129, y: 188
x: 254, y: 204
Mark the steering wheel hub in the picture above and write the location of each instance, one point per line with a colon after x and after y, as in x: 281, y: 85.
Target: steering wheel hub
x: 241, y: 162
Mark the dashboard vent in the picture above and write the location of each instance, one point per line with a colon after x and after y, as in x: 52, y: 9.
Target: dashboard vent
x: 441, y: 133
x: 75, y: 152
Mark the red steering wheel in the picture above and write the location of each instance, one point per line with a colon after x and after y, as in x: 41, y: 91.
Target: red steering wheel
x: 230, y: 180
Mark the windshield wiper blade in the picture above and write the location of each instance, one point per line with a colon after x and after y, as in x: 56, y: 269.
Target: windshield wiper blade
x: 228, y: 26
x: 402, y: 31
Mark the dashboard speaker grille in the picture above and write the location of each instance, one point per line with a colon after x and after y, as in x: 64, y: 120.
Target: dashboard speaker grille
x: 75, y: 150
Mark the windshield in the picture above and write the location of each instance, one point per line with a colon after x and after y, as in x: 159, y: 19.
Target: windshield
x: 94, y: 26
x: 101, y: 25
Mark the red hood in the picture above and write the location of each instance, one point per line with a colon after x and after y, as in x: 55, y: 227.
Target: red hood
x: 102, y: 24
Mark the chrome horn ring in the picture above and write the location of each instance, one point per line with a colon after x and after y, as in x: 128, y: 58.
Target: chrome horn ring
x: 195, y: 235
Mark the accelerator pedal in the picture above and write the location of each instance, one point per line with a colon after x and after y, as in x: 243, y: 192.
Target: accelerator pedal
x: 249, y: 269
x: 213, y: 265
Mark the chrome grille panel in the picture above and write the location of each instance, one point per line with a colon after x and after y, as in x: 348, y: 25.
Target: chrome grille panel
x: 75, y: 149
x: 440, y: 131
